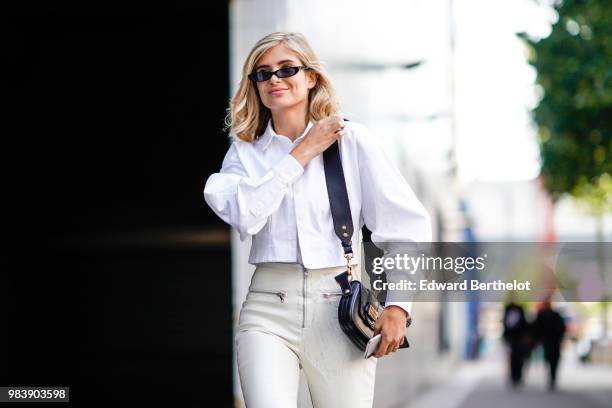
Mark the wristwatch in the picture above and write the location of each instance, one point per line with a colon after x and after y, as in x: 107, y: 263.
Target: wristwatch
x: 408, y: 317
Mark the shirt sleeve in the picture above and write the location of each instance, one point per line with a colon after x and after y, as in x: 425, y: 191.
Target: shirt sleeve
x: 246, y: 202
x: 390, y: 209
x: 407, y: 306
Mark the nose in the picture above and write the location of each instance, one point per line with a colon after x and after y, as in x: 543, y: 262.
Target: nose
x: 271, y: 80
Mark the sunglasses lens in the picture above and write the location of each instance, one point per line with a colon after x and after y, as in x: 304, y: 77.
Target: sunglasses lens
x: 262, y: 76
x: 287, y: 72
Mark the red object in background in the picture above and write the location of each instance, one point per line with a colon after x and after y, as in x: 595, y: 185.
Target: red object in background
x: 548, y: 207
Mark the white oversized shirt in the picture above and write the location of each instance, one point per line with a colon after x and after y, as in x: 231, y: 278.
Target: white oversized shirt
x: 264, y: 192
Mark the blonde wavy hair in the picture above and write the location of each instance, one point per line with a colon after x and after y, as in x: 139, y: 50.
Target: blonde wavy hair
x: 247, y: 117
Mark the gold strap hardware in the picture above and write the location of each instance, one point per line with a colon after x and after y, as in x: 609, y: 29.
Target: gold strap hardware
x: 349, y: 266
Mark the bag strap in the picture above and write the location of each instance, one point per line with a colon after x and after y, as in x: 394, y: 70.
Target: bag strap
x: 341, y: 212
x: 338, y: 197
x: 341, y: 215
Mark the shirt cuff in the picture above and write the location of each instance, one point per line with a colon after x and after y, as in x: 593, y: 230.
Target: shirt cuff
x: 407, y: 306
x: 289, y: 169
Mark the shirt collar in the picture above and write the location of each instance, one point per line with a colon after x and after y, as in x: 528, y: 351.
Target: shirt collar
x: 266, y: 138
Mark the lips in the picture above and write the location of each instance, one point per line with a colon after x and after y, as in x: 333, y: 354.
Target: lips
x: 277, y: 91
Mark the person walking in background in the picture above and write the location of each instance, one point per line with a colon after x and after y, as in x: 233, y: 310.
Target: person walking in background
x: 548, y: 329
x: 516, y: 336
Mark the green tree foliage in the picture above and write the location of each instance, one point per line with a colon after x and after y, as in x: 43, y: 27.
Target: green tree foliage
x: 574, y: 116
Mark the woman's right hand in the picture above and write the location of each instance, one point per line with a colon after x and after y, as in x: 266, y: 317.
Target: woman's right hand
x: 321, y: 135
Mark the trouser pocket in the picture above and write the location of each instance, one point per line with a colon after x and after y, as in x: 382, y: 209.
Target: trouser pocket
x: 281, y: 295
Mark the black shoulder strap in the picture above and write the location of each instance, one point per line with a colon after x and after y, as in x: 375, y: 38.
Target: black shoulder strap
x: 341, y: 209
x: 338, y: 196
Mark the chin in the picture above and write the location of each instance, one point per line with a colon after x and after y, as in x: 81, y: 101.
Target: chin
x: 280, y: 105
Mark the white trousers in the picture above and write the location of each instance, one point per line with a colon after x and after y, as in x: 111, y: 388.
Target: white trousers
x: 288, y: 322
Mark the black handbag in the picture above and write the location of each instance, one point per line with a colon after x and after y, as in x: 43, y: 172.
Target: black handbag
x: 359, y: 306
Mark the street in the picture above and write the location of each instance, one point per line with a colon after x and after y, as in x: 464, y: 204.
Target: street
x: 483, y: 384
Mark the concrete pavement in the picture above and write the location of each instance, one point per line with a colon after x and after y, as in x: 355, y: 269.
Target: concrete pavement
x: 483, y: 384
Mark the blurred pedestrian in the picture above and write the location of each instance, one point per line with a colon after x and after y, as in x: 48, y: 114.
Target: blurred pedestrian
x: 516, y: 335
x: 548, y: 329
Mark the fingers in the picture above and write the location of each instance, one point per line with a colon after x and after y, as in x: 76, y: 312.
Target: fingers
x: 338, y: 130
x: 387, y: 345
x: 382, y: 347
x: 377, y: 327
x: 324, y: 133
x: 334, y: 128
x: 337, y: 124
x: 392, y: 348
x: 332, y: 124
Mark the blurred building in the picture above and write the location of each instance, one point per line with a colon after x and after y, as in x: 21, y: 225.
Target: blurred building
x: 521, y: 211
x: 445, y: 87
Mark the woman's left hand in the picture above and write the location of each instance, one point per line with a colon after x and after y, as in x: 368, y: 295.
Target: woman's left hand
x: 392, y: 324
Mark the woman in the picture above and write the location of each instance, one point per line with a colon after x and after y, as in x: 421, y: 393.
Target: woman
x: 272, y: 187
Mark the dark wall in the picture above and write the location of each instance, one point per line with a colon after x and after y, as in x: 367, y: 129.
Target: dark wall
x: 116, y: 118
x: 118, y: 113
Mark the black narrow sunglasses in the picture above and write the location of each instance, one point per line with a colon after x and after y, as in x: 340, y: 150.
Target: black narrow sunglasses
x: 285, y: 72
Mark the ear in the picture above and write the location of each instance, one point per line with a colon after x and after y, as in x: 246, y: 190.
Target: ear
x: 312, y: 79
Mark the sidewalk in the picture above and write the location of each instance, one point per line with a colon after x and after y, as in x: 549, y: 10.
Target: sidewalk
x: 483, y: 384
